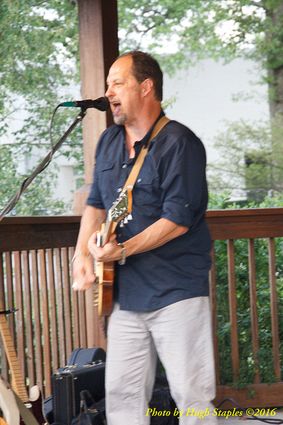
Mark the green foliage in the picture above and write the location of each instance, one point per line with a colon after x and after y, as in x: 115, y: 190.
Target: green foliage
x: 248, y: 359
x: 250, y: 362
x: 37, y: 200
x: 251, y: 159
x: 251, y: 155
x: 182, y: 32
x: 38, y: 63
x: 220, y: 29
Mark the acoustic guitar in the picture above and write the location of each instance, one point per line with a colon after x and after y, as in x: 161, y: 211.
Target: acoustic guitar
x: 119, y: 212
x: 32, y: 402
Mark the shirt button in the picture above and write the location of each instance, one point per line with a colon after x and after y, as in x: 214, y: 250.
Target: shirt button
x: 124, y: 166
x: 139, y: 180
x: 186, y: 205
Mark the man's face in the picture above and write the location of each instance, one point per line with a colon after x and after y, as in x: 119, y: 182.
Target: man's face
x: 124, y: 92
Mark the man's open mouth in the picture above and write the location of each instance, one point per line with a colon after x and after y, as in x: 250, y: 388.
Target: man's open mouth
x: 116, y: 107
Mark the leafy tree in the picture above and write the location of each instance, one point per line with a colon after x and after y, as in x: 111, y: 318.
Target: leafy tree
x: 38, y: 199
x: 38, y: 52
x: 251, y: 158
x: 201, y: 28
x: 225, y: 29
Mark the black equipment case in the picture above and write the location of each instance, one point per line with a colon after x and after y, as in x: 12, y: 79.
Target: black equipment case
x: 67, y: 385
x: 85, y: 372
x: 67, y: 399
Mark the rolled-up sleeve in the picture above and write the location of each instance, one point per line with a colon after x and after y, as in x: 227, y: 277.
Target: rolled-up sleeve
x: 94, y: 198
x: 183, y: 185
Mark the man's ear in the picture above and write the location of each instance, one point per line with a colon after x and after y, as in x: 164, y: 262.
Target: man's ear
x: 147, y: 86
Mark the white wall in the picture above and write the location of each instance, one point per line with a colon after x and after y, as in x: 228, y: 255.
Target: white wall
x: 204, y: 97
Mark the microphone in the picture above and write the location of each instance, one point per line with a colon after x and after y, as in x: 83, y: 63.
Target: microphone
x: 101, y: 103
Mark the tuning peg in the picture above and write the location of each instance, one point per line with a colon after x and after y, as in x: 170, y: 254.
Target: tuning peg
x: 122, y: 223
x: 130, y: 217
x: 125, y: 220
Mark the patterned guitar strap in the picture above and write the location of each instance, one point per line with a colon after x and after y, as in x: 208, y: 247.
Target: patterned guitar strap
x: 131, y: 180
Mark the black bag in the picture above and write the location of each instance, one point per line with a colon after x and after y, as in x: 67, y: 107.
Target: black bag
x: 91, y: 413
x: 162, y: 401
x: 82, y: 356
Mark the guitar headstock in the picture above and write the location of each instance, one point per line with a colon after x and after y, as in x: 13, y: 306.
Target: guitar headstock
x: 120, y: 208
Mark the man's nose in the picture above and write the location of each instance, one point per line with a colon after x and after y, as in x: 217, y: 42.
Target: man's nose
x: 109, y: 92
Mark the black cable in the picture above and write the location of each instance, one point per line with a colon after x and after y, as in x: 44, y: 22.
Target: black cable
x: 251, y: 417
x: 51, y: 125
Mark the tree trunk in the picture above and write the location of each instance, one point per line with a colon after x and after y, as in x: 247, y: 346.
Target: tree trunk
x: 275, y: 60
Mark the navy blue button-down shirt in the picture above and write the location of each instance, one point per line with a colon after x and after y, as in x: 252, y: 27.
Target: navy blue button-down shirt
x: 171, y: 184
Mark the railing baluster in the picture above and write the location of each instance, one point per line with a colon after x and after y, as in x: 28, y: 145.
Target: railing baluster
x: 60, y: 307
x: 10, y: 291
x: 67, y: 303
x: 37, y: 321
x: 213, y: 301
x: 82, y: 320
x: 28, y: 318
x: 20, y: 330
x: 3, y: 364
x: 233, y: 310
x: 75, y: 305
x: 253, y: 307
x: 45, y: 321
x: 274, y: 308
x: 52, y: 309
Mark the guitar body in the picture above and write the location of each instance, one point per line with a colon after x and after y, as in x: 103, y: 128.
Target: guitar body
x: 105, y: 281
x: 105, y: 271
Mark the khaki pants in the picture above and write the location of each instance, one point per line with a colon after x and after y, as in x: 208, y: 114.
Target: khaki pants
x: 181, y: 335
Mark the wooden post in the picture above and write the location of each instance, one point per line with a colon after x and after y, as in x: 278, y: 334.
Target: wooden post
x: 98, y: 40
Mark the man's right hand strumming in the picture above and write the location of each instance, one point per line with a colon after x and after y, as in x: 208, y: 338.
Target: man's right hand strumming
x: 83, y: 272
x: 83, y: 262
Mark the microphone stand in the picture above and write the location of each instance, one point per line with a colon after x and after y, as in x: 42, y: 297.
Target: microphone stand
x: 43, y: 164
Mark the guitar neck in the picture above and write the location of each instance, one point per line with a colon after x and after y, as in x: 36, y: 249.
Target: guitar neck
x: 18, y: 384
x: 107, y: 230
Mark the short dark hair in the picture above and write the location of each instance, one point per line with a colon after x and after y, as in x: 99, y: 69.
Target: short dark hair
x: 145, y: 66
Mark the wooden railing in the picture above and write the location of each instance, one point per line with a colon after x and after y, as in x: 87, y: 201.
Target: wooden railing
x: 52, y: 320
x: 258, y: 232
x: 35, y: 277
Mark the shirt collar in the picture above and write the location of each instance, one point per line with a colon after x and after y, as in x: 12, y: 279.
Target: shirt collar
x: 146, y: 138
